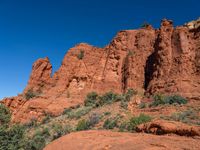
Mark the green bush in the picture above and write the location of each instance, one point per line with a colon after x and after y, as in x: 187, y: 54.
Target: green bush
x: 107, y: 113
x: 160, y: 99
x: 59, y: 130
x: 80, y: 55
x: 46, y: 119
x: 125, y: 98
x: 188, y: 116
x: 130, y: 93
x: 30, y: 94
x: 175, y: 99
x: 82, y: 125
x: 107, y: 98
x: 78, y: 113
x: 12, y: 138
x: 32, y: 123
x: 124, y: 126
x: 94, y: 119
x: 110, y: 123
x: 142, y: 105
x: 135, y: 121
x: 91, y: 99
x: 38, y: 141
x: 67, y: 111
x: 5, y: 115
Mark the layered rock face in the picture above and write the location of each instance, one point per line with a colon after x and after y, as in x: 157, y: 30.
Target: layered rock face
x: 177, y: 64
x: 149, y: 60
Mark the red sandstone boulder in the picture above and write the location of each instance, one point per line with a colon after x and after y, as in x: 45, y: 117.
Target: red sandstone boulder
x: 161, y: 127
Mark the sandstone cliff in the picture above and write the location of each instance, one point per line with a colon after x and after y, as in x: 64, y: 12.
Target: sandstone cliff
x: 148, y: 60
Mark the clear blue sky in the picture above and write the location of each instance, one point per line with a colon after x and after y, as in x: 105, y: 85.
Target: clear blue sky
x: 30, y: 29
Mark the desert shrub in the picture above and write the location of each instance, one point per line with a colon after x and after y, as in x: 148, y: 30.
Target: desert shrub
x: 38, y: 141
x: 67, y: 111
x: 78, y: 113
x: 107, y: 98
x: 188, y: 116
x: 59, y: 130
x: 175, y: 99
x: 30, y: 94
x: 31, y: 123
x: 125, y: 98
x: 130, y: 93
x: 5, y: 114
x: 110, y: 123
x: 94, y: 119
x: 160, y: 99
x: 91, y: 99
x: 82, y: 125
x: 124, y: 126
x: 46, y: 119
x: 80, y: 55
x: 142, y: 105
x: 135, y: 121
x: 124, y: 104
x: 107, y: 113
x: 12, y: 138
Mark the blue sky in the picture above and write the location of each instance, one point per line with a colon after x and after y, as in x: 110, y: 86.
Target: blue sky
x: 31, y: 29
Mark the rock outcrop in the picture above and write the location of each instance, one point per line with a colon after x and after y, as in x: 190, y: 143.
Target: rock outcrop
x: 107, y: 140
x: 161, y: 127
x: 149, y: 60
x: 40, y: 76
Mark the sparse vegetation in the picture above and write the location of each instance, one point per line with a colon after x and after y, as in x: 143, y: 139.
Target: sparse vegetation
x: 83, y: 125
x: 30, y: 94
x: 77, y: 113
x: 96, y: 113
x: 31, y: 123
x: 107, y: 113
x: 80, y: 55
x: 37, y: 142
x: 91, y: 99
x: 12, y: 138
x: 94, y: 119
x: 5, y: 115
x: 110, y: 123
x: 142, y: 105
x: 107, y: 98
x: 125, y: 98
x: 59, y: 130
x: 95, y: 100
x: 160, y: 99
x: 135, y: 121
x: 188, y: 116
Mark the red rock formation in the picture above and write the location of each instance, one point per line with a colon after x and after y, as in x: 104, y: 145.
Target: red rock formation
x: 177, y: 62
x: 108, y: 140
x: 165, y: 60
x: 161, y: 127
x: 40, y: 76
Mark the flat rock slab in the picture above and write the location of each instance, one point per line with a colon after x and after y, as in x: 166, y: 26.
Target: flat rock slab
x: 108, y: 140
